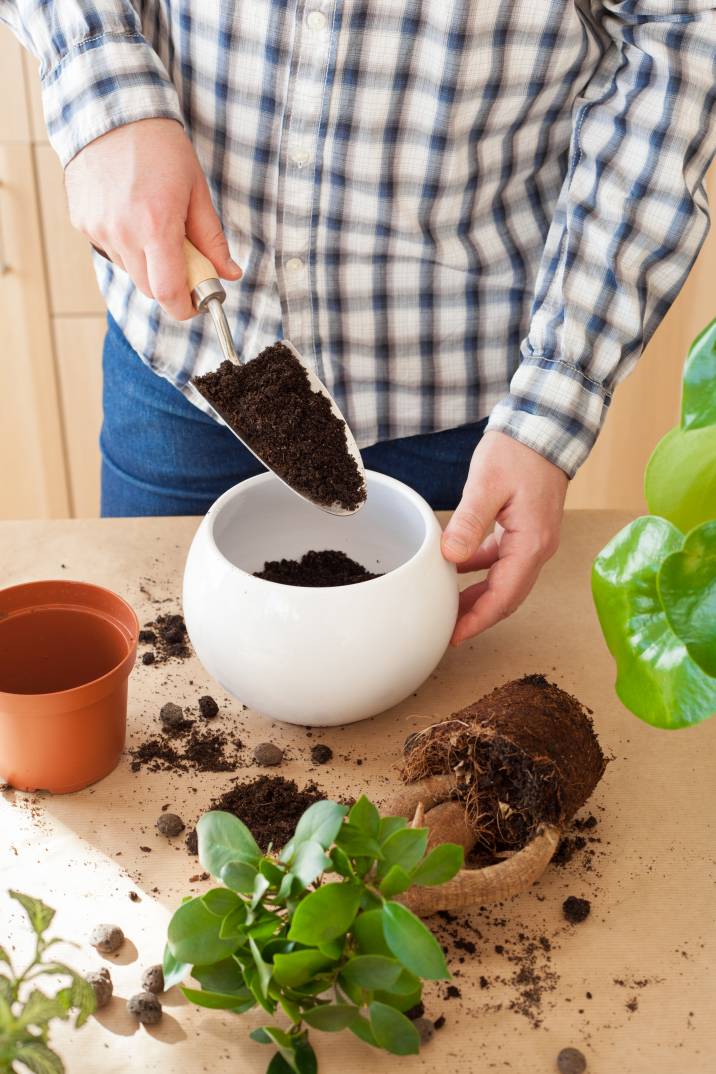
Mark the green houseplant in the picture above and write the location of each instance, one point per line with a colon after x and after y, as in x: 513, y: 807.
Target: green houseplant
x: 654, y: 584
x: 26, y: 1013
x: 330, y: 952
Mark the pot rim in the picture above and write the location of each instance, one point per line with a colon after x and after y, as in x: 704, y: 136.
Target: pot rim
x: 426, y: 513
x: 74, y: 697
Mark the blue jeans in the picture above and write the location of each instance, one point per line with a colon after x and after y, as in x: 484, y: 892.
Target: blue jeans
x: 162, y: 456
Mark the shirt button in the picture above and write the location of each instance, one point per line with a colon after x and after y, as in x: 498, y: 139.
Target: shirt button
x: 294, y: 264
x: 300, y: 156
x: 316, y: 20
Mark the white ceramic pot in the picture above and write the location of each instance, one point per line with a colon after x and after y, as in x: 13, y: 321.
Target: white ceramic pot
x: 319, y: 656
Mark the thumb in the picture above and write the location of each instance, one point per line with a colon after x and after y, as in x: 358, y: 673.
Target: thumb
x: 204, y: 229
x: 470, y: 522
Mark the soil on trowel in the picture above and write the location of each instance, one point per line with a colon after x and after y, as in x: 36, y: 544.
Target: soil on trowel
x: 269, y: 402
x: 316, y: 569
x: 270, y: 806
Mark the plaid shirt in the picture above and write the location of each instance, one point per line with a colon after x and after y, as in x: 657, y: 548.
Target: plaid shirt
x: 453, y: 208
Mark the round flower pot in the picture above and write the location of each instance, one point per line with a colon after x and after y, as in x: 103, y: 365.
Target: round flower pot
x: 66, y: 652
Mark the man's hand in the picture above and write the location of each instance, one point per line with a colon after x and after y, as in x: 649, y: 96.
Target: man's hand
x: 523, y: 494
x: 135, y: 193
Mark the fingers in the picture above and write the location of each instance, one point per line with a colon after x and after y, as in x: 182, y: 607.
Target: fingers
x: 487, y: 554
x: 135, y: 263
x: 204, y: 229
x: 166, y: 271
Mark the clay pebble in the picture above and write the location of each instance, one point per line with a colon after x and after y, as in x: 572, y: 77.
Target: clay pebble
x: 169, y: 824
x: 106, y: 938
x: 208, y: 708
x: 425, y: 1028
x: 101, y: 984
x: 571, y: 1061
x: 576, y: 910
x: 145, y: 1007
x: 171, y: 715
x: 321, y: 754
x: 153, y: 979
x: 268, y: 755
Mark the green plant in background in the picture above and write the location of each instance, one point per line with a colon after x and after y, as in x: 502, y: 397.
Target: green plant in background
x: 654, y: 584
x: 26, y: 1013
x: 332, y: 953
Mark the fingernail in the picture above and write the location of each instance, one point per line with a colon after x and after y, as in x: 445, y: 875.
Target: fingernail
x: 235, y: 267
x: 455, y: 546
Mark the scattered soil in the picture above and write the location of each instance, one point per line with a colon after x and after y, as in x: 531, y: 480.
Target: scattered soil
x: 268, y: 755
x: 148, y: 658
x: 316, y: 570
x: 439, y: 1022
x: 269, y: 805
x: 321, y: 754
x: 531, y: 749
x: 199, y: 750
x: 415, y: 1012
x: 208, y: 708
x: 270, y: 404
x: 576, y: 910
x: 169, y: 637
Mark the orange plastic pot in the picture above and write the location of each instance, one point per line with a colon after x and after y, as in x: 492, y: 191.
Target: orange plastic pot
x: 66, y: 652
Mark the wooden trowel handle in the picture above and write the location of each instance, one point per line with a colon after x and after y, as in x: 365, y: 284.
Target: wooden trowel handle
x: 201, y: 277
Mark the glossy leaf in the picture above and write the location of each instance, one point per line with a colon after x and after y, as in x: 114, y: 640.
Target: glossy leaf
x: 193, y: 935
x: 174, y: 971
x: 341, y: 862
x: 405, y: 847
x: 330, y: 1017
x: 361, y: 1027
x: 392, y: 1030
x: 372, y: 971
x: 239, y: 876
x: 656, y: 677
x: 234, y: 924
x: 441, y: 864
x: 365, y: 816
x: 402, y: 1001
x: 325, y: 913
x: 396, y: 879
x: 309, y: 861
x: 368, y: 932
x: 220, y: 902
x: 698, y: 401
x: 686, y: 583
x: 297, y: 967
x: 388, y: 825
x: 263, y: 969
x: 356, y: 843
x: 680, y: 480
x: 224, y: 976
x: 319, y: 824
x: 222, y: 838
x: 219, y: 1000
x: 413, y: 943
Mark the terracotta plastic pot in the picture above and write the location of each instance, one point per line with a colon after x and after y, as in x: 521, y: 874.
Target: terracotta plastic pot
x: 66, y: 652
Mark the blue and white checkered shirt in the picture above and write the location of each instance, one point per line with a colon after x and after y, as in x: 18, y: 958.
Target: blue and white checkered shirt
x: 453, y: 208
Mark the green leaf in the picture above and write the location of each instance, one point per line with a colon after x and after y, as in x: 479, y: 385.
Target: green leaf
x: 441, y: 864
x: 273, y: 872
x: 332, y: 949
x: 306, y: 1062
x: 40, y: 1009
x: 698, y: 401
x: 363, y: 1031
x: 261, y: 886
x: 223, y: 838
x: 368, y: 932
x: 309, y: 861
x: 365, y: 816
x: 402, y: 1001
x: 263, y: 968
x: 341, y: 862
x: 38, y: 1058
x: 220, y: 901
x: 392, y: 1030
x: 372, y: 971
x: 680, y: 479
x: 39, y: 914
x: 325, y: 914
x: 278, y: 1065
x: 405, y: 848
x: 412, y: 943
x: 6, y: 989
x: 357, y: 844
x: 297, y: 967
x: 225, y: 1001
x: 388, y: 825
x: 193, y: 935
x: 395, y: 881
x: 224, y: 976
x: 4, y: 957
x: 234, y: 924
x: 253, y: 982
x: 82, y: 999
x: 656, y: 677
x: 174, y: 971
x: 330, y: 1017
x: 686, y: 583
x: 319, y: 824
x: 239, y: 876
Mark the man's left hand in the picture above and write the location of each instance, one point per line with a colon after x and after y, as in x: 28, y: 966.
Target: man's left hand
x: 523, y: 494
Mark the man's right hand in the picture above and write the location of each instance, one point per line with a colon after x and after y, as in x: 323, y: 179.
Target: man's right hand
x: 135, y: 192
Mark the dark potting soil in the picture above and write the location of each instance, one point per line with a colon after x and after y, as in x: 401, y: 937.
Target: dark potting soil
x: 316, y: 569
x: 168, y: 636
x: 576, y: 910
x: 185, y: 748
x: 270, y: 404
x: 269, y: 805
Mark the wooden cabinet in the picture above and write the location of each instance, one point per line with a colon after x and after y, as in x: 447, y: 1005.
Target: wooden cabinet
x: 52, y: 324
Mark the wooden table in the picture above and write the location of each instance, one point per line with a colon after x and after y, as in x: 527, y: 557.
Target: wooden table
x: 645, y: 954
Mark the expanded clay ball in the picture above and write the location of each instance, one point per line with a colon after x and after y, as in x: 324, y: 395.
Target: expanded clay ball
x: 106, y: 938
x: 425, y: 1028
x: 571, y: 1061
x: 153, y: 979
x: 268, y: 755
x: 101, y: 984
x: 171, y: 715
x: 146, y: 1008
x: 169, y: 824
x: 208, y: 708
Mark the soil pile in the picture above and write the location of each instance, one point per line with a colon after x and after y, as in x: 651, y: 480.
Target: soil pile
x: 316, y: 569
x: 270, y: 806
x: 167, y: 634
x: 270, y: 404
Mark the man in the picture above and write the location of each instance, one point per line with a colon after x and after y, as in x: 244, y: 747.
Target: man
x: 455, y: 210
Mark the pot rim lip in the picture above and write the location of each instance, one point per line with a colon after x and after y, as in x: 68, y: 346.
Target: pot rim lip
x: 424, y: 510
x: 118, y: 670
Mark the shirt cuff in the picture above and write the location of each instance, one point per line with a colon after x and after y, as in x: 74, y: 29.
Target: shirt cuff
x: 103, y: 82
x: 554, y: 409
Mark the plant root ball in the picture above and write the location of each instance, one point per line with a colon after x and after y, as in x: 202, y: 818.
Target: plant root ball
x: 106, y: 938
x: 146, y: 1008
x: 522, y: 756
x: 153, y: 979
x: 101, y: 984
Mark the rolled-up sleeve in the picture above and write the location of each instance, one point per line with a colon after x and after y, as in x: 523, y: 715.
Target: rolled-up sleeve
x: 97, y: 70
x: 630, y: 220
